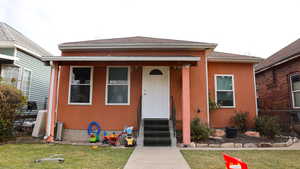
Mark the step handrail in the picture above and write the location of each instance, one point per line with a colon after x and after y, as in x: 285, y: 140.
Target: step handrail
x: 173, y: 115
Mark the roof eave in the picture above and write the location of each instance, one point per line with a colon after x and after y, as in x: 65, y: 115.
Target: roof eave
x: 276, y: 64
x: 138, y: 46
x: 217, y: 59
x: 120, y: 58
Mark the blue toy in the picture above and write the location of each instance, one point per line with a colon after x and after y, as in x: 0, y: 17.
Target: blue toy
x: 94, y: 131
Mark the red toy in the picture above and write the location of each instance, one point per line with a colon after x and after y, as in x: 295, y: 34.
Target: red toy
x: 234, y: 163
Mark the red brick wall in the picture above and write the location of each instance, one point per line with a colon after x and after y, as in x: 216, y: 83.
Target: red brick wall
x: 273, y: 86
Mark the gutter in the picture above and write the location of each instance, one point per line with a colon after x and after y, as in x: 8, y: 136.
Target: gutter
x: 7, y: 57
x: 16, y: 46
x: 248, y: 60
x: 121, y: 58
x: 137, y: 46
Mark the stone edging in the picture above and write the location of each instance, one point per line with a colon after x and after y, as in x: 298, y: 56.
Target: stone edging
x: 288, y: 143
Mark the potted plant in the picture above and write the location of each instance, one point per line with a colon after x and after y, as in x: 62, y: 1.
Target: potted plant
x: 231, y: 132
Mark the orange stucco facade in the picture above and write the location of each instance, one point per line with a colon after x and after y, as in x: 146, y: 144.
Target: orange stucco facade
x: 115, y: 117
x: 244, y: 92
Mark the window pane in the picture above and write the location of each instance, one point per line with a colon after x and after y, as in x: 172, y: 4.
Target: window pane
x: 118, y: 75
x: 26, y: 77
x: 225, y: 98
x: 117, y: 94
x: 10, y: 74
x: 81, y: 75
x: 224, y: 83
x: 297, y: 99
x: 80, y: 94
x: 296, y: 82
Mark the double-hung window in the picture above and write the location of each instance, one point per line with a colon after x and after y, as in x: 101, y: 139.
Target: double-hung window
x: 295, y: 89
x: 117, y: 86
x: 18, y: 77
x: 11, y: 74
x: 25, y: 83
x: 224, y: 85
x: 80, y: 91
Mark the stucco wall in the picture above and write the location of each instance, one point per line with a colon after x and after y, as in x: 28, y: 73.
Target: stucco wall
x: 244, y: 92
x: 116, y: 117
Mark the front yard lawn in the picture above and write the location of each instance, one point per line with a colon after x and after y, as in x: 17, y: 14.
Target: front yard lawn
x: 22, y: 156
x: 268, y: 159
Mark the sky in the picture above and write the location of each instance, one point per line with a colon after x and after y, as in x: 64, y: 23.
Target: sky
x: 252, y: 27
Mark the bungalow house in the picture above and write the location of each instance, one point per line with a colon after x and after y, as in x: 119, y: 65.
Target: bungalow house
x: 278, y: 82
x: 21, y: 65
x: 155, y: 85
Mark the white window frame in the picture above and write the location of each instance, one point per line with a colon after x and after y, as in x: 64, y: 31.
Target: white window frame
x: 21, y: 80
x: 91, y: 85
x: 233, y: 90
x: 292, y: 92
x: 107, y: 84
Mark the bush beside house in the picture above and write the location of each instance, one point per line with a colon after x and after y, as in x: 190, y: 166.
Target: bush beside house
x: 11, y: 99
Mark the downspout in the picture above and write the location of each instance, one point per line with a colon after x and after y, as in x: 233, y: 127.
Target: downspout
x: 50, y: 102
x: 255, y: 91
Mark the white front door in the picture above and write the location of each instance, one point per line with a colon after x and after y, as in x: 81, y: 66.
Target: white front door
x: 156, y: 92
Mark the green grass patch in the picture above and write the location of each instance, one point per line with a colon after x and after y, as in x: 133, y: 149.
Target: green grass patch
x: 260, y: 159
x: 22, y: 156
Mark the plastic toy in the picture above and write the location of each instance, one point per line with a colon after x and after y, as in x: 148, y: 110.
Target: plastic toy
x: 129, y: 141
x: 234, y: 163
x: 94, y: 131
x: 124, y: 138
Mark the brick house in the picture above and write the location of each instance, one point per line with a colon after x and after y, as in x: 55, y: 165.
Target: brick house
x: 278, y: 81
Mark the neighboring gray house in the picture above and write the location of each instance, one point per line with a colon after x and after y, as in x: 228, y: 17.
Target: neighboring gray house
x: 21, y: 65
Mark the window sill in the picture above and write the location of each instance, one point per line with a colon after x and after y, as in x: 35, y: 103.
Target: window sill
x: 227, y: 107
x: 80, y: 104
x: 117, y: 104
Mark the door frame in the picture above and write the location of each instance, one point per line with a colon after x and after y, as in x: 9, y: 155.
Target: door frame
x: 168, y: 86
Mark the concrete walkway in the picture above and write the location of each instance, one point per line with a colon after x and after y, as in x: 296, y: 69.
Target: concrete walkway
x: 156, y: 158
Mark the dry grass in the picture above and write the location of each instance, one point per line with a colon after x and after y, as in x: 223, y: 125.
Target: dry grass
x: 22, y: 156
x: 269, y: 159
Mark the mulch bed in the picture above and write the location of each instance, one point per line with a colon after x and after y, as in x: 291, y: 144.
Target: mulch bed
x: 241, y: 138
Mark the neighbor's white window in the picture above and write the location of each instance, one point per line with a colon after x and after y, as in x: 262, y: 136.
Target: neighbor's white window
x: 80, y: 91
x: 18, y: 77
x: 224, y: 85
x: 10, y: 74
x: 117, y: 86
x: 26, y: 81
x: 295, y: 87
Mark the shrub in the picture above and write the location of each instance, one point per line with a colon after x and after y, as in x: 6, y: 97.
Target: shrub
x: 199, y: 130
x: 11, y: 99
x: 239, y: 120
x: 212, y: 104
x: 267, y: 126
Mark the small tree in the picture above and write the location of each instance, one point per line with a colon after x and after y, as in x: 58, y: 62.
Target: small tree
x: 11, y: 99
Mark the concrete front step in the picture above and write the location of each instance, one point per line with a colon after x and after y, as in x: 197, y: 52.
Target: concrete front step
x: 157, y: 133
x: 157, y: 141
x: 156, y: 128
